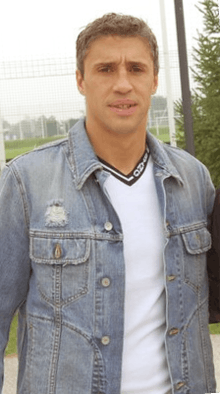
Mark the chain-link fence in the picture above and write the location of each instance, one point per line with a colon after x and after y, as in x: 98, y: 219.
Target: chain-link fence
x: 39, y: 97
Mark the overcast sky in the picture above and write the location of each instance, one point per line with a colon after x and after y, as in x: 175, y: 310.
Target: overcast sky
x: 44, y: 28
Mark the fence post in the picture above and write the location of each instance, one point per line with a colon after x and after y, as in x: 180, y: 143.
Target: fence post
x: 170, y: 104
x: 184, y: 73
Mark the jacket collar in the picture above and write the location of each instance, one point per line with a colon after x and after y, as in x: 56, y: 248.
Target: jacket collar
x: 85, y: 162
x: 161, y: 153
x: 83, y: 157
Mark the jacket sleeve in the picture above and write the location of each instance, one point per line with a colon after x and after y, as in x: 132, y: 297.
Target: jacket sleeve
x: 213, y: 263
x: 14, y: 253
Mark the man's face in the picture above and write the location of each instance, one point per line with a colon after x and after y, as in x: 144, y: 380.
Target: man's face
x: 118, y: 83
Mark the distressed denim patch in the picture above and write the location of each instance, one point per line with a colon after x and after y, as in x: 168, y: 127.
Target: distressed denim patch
x: 56, y: 215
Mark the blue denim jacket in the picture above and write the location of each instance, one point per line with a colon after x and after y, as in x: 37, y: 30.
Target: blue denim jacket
x: 62, y: 268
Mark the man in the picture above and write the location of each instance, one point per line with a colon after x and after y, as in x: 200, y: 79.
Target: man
x: 213, y: 263
x: 104, y: 239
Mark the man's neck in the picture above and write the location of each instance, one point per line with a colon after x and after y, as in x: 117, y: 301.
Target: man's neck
x: 122, y: 151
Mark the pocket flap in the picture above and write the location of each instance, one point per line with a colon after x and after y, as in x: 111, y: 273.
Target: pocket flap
x: 59, y: 250
x: 197, y: 241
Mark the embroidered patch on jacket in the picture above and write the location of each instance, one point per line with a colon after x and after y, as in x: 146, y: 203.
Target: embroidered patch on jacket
x: 56, y: 215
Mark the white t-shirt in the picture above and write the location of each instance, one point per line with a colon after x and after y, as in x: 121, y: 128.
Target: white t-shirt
x: 144, y: 366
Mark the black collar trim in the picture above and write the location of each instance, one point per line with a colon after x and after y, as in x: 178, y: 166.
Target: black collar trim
x: 134, y: 175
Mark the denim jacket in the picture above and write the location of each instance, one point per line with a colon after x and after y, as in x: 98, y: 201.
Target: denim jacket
x: 62, y: 268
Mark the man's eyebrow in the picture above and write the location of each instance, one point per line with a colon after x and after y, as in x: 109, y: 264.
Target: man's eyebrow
x: 130, y: 63
x: 104, y: 64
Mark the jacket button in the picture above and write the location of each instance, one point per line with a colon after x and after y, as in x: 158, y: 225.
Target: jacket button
x: 105, y: 282
x: 174, y: 331
x: 105, y: 340
x: 180, y: 385
x: 171, y: 277
x: 57, y: 251
x: 108, y: 226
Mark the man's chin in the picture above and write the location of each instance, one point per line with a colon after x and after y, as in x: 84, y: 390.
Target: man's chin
x: 122, y: 130
x: 125, y: 126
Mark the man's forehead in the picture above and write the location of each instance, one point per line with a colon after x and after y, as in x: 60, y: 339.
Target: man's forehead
x: 107, y: 48
x: 114, y: 38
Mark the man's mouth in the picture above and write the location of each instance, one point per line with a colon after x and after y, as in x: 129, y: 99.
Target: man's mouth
x: 123, y: 103
x: 123, y: 106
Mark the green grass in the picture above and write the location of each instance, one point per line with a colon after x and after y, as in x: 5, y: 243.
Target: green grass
x: 11, y: 153
x: 214, y: 328
x: 18, y: 147
x: 163, y: 137
x: 12, y: 344
x: 163, y: 133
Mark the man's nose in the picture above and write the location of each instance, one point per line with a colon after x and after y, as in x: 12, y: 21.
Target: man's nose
x: 122, y: 82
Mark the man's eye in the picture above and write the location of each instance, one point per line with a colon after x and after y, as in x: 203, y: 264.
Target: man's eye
x: 106, y: 69
x: 136, y: 69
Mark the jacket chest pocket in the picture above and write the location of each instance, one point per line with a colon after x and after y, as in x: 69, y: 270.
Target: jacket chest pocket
x: 61, y: 267
x: 197, y: 243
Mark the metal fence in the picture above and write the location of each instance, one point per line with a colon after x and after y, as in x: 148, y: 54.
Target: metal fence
x: 39, y: 97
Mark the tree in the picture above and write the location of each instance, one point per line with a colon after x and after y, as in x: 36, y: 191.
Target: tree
x: 206, y: 96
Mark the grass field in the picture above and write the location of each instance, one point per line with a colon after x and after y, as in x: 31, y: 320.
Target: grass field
x: 163, y: 133
x: 18, y: 147
x: 12, y: 344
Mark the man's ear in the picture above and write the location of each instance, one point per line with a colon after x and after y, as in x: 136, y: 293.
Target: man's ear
x: 155, y: 84
x: 80, y: 82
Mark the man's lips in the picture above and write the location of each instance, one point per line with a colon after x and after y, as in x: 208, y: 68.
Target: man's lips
x: 123, y: 107
x: 123, y: 104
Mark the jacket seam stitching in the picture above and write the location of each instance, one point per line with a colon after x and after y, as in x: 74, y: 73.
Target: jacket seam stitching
x: 23, y: 196
x: 186, y: 229
x: 98, y: 358
x: 57, y: 334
